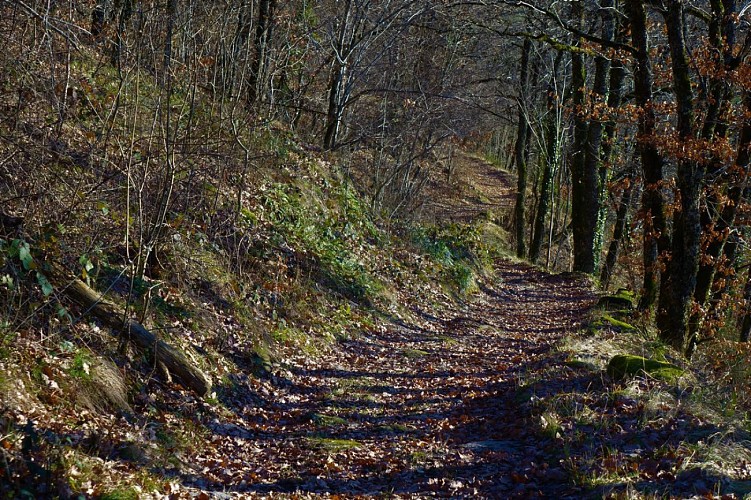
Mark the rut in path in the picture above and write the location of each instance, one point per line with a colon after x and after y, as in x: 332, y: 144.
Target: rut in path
x: 433, y: 407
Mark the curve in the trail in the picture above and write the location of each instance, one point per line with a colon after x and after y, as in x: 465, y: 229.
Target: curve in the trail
x: 435, y: 408
x: 477, y: 187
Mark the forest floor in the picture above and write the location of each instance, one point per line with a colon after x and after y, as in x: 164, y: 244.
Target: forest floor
x: 500, y: 394
x: 438, y: 405
x: 493, y: 394
x: 436, y: 408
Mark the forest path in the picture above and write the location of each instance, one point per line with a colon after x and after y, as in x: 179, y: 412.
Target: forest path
x: 438, y: 406
x: 476, y: 188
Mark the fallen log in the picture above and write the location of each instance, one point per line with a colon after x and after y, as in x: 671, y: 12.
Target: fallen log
x: 115, y: 318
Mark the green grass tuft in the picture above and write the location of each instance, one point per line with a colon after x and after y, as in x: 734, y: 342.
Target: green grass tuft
x: 331, y: 444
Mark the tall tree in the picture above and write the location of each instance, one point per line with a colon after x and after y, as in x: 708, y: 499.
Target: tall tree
x: 584, y: 201
x: 521, y: 148
x: 723, y: 198
x: 594, y: 162
x: 552, y: 138
x: 652, y: 205
x: 259, y: 66
x: 617, y: 78
x: 678, y: 285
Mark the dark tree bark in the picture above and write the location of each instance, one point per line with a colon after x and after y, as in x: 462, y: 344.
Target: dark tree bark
x: 617, y: 78
x: 584, y: 200
x: 520, y: 150
x: 615, y: 98
x: 230, y: 60
x: 744, y: 335
x: 653, y: 210
x: 679, y: 283
x: 123, y: 9
x: 337, y: 82
x: 98, y: 20
x: 594, y: 161
x: 620, y: 231
x: 171, y: 16
x: 263, y: 36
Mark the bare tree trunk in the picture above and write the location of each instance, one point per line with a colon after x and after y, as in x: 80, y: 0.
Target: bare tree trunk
x: 337, y: 81
x: 522, y: 140
x: 620, y: 231
x: 679, y: 282
x: 655, y: 235
x: 260, y: 63
x: 552, y: 153
x: 123, y: 10
x: 147, y: 252
x: 594, y: 159
x: 584, y: 204
x: 744, y: 334
x: 335, y: 107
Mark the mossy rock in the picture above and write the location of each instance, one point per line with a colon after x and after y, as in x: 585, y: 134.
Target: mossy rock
x: 621, y: 325
x: 261, y: 361
x: 621, y: 300
x: 740, y: 488
x: 581, y: 364
x: 625, y: 365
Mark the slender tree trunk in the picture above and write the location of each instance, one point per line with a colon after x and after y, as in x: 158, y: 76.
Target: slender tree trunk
x: 259, y: 64
x: 229, y: 61
x: 337, y: 81
x: 744, y: 334
x: 620, y: 231
x: 123, y: 10
x: 335, y: 106
x: 522, y: 140
x: 724, y: 251
x: 171, y: 17
x: 617, y: 77
x: 615, y: 97
x: 552, y: 151
x: 148, y: 251
x: 655, y: 235
x: 678, y: 284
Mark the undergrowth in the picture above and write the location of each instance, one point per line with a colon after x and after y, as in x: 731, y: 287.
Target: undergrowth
x: 463, y: 251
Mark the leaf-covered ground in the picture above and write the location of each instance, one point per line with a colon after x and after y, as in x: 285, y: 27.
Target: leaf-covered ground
x: 411, y: 409
x: 496, y: 394
x: 435, y: 405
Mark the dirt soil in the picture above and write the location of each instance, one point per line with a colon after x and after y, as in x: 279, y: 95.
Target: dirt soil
x: 439, y: 406
x: 476, y: 188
